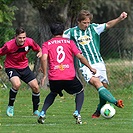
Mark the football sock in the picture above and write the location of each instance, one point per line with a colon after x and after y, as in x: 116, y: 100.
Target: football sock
x: 12, y: 96
x: 102, y: 102
x: 35, y: 100
x: 48, y: 101
x: 79, y: 101
x: 106, y: 95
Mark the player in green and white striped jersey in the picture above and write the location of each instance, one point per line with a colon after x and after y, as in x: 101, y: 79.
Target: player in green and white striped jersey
x: 87, y: 38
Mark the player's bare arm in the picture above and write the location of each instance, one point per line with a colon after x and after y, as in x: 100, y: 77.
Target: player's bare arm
x: 85, y: 62
x: 113, y: 22
x: 39, y: 54
x: 44, y: 67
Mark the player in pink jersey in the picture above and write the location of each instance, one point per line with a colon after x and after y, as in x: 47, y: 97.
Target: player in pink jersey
x: 17, y: 69
x: 59, y: 52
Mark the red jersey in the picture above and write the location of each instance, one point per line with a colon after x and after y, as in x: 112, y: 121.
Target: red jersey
x: 16, y: 55
x: 60, y: 58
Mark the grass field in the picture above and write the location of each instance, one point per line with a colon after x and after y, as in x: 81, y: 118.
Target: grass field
x: 59, y: 117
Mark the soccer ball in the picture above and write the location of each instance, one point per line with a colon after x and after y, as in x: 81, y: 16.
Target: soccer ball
x: 108, y: 111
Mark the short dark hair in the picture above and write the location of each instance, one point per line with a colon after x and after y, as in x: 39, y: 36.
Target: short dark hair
x: 83, y: 14
x: 57, y: 28
x: 19, y: 30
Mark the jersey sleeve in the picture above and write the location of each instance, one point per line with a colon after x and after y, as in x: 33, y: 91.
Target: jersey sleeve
x: 4, y: 50
x: 99, y: 28
x: 44, y: 48
x: 34, y: 45
x: 67, y: 33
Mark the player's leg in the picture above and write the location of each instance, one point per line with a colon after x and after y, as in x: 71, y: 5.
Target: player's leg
x: 101, y: 103
x: 96, y: 114
x: 35, y: 96
x: 104, y: 94
x: 96, y: 81
x: 55, y: 88
x: 12, y: 95
x: 79, y: 98
x: 88, y: 76
x: 76, y: 88
x: 102, y: 75
x: 29, y: 78
x: 103, y: 78
x: 49, y: 100
x: 15, y: 81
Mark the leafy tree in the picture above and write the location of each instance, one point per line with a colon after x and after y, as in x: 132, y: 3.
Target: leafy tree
x: 6, y: 18
x: 66, y: 11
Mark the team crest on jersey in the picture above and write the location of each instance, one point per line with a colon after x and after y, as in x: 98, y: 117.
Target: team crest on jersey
x: 83, y: 40
x: 26, y: 48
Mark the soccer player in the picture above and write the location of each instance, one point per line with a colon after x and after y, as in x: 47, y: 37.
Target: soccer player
x: 59, y: 52
x: 17, y: 68
x: 87, y: 38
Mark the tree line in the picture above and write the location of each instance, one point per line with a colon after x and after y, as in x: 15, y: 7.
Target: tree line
x: 37, y: 16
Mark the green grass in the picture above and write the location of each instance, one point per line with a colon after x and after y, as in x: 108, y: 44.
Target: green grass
x: 59, y: 117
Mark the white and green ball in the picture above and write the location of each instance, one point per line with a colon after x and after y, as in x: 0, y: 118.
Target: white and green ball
x: 108, y: 111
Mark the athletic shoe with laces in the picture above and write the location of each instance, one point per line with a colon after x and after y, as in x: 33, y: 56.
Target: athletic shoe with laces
x: 96, y: 114
x: 41, y: 118
x: 120, y: 104
x: 10, y: 111
x: 36, y: 113
x: 77, y: 117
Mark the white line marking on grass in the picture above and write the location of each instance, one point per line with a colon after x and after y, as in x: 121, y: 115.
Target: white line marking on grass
x: 18, y: 125
x: 32, y: 116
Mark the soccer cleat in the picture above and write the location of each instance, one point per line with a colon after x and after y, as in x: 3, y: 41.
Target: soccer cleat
x: 96, y: 114
x: 77, y: 117
x: 41, y: 118
x: 36, y: 113
x: 120, y: 104
x: 10, y: 111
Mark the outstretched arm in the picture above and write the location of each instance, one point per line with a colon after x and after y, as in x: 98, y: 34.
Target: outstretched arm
x: 113, y: 22
x: 84, y: 61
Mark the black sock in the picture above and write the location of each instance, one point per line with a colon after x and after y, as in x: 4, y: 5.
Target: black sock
x: 48, y: 101
x: 12, y: 96
x: 35, y: 100
x: 79, y: 101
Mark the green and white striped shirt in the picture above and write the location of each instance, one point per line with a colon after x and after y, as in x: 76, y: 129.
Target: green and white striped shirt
x: 88, y: 41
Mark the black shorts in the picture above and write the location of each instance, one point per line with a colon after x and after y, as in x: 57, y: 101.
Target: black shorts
x: 25, y: 74
x: 70, y: 86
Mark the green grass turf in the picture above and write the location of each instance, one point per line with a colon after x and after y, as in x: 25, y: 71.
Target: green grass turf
x: 59, y: 117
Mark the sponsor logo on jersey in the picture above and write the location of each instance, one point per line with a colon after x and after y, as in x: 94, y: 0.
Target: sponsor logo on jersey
x: 83, y: 40
x: 61, y: 66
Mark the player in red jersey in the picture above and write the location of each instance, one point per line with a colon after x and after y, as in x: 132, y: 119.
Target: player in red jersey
x: 59, y: 53
x: 17, y: 68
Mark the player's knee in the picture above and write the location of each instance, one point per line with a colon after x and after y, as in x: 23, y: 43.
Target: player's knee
x: 35, y: 88
x: 96, y: 82
x: 17, y: 85
x: 105, y: 85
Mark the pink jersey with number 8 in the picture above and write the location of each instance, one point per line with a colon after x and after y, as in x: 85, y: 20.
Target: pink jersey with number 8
x: 60, y: 53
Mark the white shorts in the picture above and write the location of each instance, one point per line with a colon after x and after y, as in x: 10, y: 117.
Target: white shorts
x: 101, y: 72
